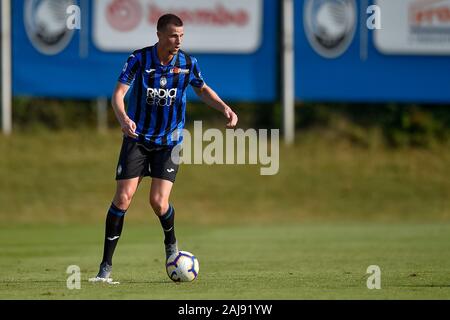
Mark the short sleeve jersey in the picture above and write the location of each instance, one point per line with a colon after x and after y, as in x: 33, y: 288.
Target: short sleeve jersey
x: 157, y: 102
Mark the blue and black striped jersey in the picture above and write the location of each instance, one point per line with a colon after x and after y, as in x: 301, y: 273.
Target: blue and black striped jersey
x: 157, y: 102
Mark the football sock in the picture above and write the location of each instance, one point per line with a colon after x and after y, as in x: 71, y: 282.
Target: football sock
x: 167, y: 223
x: 113, y: 230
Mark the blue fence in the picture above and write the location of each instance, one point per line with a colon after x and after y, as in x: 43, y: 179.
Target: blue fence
x: 87, y: 72
x: 359, y: 72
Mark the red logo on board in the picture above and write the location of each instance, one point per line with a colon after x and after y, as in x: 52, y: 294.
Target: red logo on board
x: 124, y: 15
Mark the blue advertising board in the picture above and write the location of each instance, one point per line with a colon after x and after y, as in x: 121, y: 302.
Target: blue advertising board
x: 337, y: 57
x: 76, y: 67
x: 343, y: 60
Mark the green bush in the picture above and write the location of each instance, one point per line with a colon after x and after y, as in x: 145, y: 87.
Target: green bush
x: 399, y: 125
x: 53, y: 114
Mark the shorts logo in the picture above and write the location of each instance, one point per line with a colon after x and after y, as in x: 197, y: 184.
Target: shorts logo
x: 119, y: 170
x: 330, y: 25
x: 161, y: 97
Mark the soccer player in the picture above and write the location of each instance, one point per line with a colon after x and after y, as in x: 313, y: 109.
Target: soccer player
x: 152, y: 123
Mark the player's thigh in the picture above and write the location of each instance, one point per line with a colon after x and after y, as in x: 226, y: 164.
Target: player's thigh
x: 125, y: 191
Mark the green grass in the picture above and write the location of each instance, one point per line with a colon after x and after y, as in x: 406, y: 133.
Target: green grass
x: 62, y: 177
x: 260, y: 262
x: 309, y: 232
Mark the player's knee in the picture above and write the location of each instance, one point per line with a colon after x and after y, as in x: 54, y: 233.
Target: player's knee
x: 123, y: 200
x: 159, y: 204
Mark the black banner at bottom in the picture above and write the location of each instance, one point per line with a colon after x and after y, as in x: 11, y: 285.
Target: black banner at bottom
x: 226, y: 309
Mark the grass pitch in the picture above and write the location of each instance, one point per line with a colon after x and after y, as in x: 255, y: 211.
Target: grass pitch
x: 309, y: 232
x: 65, y: 177
x: 253, y: 262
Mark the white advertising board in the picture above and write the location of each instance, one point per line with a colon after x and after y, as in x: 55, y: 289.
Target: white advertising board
x: 210, y: 26
x: 420, y: 27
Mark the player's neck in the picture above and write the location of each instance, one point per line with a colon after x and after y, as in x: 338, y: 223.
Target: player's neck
x: 164, y: 56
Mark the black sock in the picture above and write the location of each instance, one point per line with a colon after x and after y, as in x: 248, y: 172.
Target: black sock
x: 113, y: 230
x: 167, y: 223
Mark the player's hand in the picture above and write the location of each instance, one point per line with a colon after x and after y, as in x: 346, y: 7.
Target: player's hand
x: 129, y: 128
x: 232, y: 118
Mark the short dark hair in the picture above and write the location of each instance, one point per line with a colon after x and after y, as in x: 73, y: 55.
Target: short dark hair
x: 167, y: 19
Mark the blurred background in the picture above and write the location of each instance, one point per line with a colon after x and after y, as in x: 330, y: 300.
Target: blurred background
x: 368, y: 138
x: 361, y: 95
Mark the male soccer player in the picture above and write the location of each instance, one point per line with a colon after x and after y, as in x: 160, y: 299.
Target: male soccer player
x: 155, y: 116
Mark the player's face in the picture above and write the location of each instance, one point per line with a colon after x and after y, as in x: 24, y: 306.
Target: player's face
x: 171, y: 38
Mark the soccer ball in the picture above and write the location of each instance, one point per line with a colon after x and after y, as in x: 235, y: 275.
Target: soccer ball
x: 182, y: 267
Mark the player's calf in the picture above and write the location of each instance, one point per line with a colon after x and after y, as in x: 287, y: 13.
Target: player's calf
x: 168, y: 225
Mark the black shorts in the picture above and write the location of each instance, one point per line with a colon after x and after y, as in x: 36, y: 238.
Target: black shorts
x: 139, y: 160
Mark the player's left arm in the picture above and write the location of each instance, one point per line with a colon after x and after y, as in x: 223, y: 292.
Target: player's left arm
x: 210, y: 97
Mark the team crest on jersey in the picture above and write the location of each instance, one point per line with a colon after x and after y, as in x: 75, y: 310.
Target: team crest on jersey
x: 163, y: 82
x: 177, y: 70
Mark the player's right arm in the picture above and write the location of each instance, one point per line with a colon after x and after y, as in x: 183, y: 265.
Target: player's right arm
x: 126, y: 79
x: 128, y: 126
